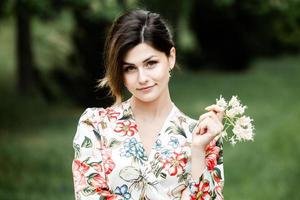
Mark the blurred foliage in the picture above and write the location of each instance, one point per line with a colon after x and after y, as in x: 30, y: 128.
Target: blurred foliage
x: 215, y: 34
x: 231, y: 33
x: 36, y: 138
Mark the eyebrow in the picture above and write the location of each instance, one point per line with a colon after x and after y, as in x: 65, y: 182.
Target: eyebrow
x: 147, y: 59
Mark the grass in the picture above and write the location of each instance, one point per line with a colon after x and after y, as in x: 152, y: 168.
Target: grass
x: 36, y: 139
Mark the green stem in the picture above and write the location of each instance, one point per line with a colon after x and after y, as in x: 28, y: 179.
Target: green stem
x: 229, y: 120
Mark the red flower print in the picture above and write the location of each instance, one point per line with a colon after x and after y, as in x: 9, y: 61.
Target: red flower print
x: 97, y: 166
x: 126, y: 127
x: 219, y: 193
x: 216, y: 176
x: 97, y: 181
x: 108, y: 163
x: 110, y: 113
x: 212, y: 155
x: 79, y: 169
x: 203, y: 192
x: 175, y: 165
x: 108, y: 195
x: 100, y: 186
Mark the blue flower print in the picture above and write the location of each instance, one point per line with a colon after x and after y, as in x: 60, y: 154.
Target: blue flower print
x: 158, y: 145
x: 133, y: 148
x: 166, y: 153
x: 123, y: 191
x: 173, y: 142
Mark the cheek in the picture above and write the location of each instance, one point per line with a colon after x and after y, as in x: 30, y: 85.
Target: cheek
x: 128, y: 81
x: 161, y: 73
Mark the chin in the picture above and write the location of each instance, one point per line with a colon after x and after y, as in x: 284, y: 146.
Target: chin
x: 146, y: 98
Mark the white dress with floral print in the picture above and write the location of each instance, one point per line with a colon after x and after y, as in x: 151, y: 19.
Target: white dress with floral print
x: 111, y: 163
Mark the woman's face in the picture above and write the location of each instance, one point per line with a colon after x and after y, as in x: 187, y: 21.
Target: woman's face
x: 146, y: 72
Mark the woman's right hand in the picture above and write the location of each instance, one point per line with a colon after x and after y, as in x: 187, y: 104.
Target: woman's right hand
x: 208, y: 127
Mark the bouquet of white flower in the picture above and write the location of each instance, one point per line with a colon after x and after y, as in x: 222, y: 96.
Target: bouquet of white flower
x: 237, y: 126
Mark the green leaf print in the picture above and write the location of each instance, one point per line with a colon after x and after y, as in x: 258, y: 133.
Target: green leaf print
x: 96, y: 133
x: 88, y: 191
x: 192, y: 126
x: 175, y: 129
x: 87, y: 143
x: 220, y: 160
x: 217, y: 171
x: 113, y: 143
x: 182, y: 177
x: 163, y: 175
x: 127, y: 114
x: 77, y: 150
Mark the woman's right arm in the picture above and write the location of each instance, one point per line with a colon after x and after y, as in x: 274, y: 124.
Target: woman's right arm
x: 89, y: 176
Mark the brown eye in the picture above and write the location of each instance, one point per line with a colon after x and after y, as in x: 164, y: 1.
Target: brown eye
x: 151, y: 64
x: 129, y: 68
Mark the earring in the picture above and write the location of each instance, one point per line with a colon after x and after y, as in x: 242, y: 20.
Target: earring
x: 170, y: 72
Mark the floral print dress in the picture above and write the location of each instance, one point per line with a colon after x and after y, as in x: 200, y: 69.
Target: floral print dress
x: 111, y: 163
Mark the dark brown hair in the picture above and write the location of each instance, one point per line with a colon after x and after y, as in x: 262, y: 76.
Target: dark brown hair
x: 127, y: 31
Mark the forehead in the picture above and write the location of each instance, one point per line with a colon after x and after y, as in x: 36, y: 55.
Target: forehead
x: 141, y: 52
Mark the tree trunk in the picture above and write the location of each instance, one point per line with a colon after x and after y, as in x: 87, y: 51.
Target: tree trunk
x: 25, y: 67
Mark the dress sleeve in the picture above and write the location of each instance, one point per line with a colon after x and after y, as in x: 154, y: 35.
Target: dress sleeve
x: 90, y: 182
x: 210, y: 184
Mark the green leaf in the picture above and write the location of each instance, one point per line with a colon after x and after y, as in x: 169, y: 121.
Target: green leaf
x: 126, y: 115
x: 175, y: 129
x: 77, y: 150
x: 192, y: 126
x: 158, y: 171
x: 163, y: 175
x: 88, y: 191
x: 220, y: 160
x: 87, y: 143
x: 114, y: 142
x: 97, y: 134
x: 217, y: 171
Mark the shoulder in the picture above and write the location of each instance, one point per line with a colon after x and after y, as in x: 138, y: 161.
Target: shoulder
x: 186, y: 123
x: 94, y: 121
x: 184, y: 117
x: 97, y: 118
x: 96, y: 114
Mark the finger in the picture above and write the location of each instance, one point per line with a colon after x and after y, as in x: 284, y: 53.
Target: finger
x: 204, y: 125
x: 205, y: 115
x: 203, y: 128
x: 211, y: 114
x: 215, y: 108
x: 219, y: 111
x: 197, y: 128
x: 216, y: 119
x: 210, y: 125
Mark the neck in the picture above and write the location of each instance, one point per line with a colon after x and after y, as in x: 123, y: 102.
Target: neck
x: 152, y: 110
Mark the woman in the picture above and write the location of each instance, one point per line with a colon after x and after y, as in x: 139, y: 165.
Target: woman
x: 145, y: 147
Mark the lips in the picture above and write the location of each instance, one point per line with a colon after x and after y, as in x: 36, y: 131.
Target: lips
x: 145, y: 88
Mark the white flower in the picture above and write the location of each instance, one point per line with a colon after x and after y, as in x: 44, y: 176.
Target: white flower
x: 234, y: 102
x: 231, y: 113
x: 244, y: 121
x: 224, y: 134
x: 240, y: 109
x: 232, y: 141
x: 241, y: 125
x: 243, y: 133
x: 221, y: 102
x: 238, y: 132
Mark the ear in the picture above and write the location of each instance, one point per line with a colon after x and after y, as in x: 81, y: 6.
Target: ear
x: 172, y: 58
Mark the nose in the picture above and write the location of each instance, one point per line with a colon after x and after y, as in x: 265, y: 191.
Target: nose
x: 142, y: 76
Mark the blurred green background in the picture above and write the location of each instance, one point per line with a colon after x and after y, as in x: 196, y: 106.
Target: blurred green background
x: 51, y: 57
